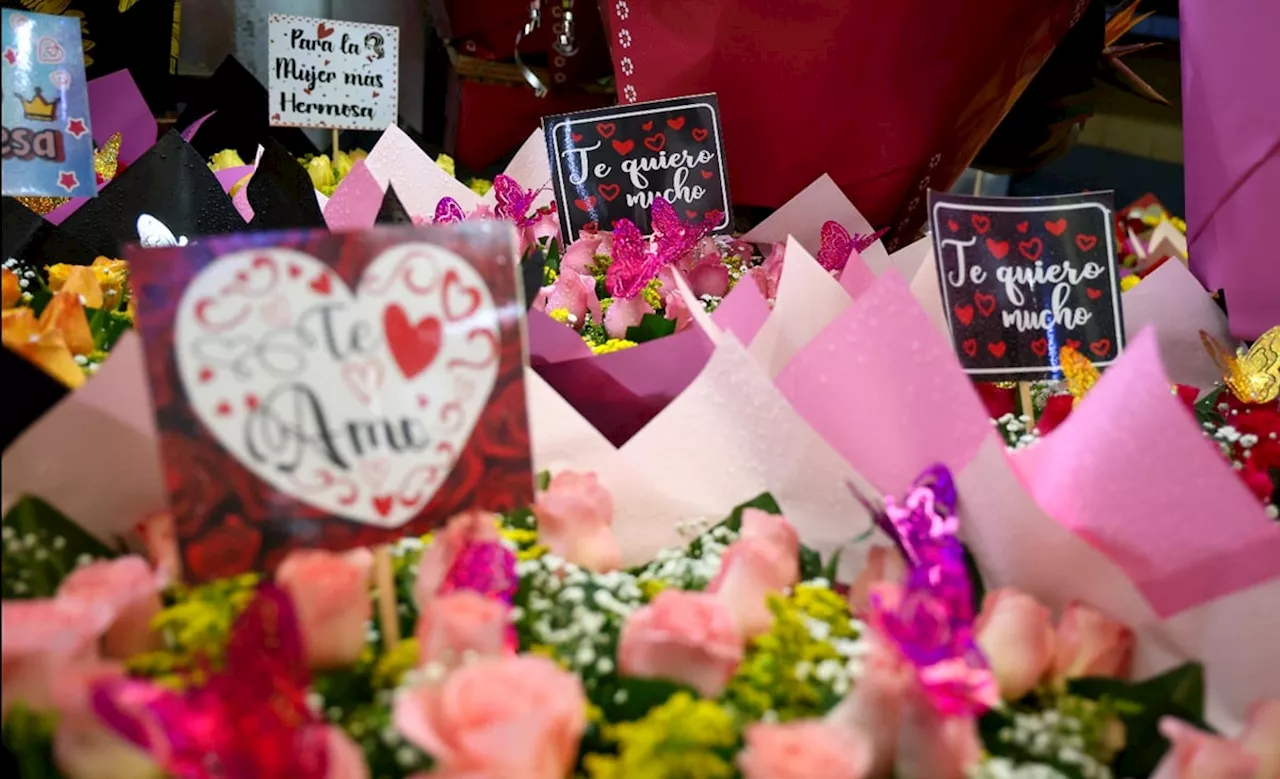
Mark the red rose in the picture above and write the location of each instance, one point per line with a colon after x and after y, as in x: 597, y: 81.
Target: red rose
x: 503, y: 430
x: 193, y: 477
x: 229, y: 548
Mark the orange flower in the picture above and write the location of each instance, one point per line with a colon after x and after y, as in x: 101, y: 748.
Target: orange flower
x: 12, y: 290
x: 45, y: 348
x: 78, y: 279
x: 65, y: 314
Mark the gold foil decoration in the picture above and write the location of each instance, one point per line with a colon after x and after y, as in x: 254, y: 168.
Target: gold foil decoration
x: 106, y: 162
x: 1252, y: 376
x: 1080, y: 372
x: 41, y: 205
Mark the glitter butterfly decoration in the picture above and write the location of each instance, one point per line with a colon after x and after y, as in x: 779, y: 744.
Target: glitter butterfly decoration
x: 514, y: 202
x: 837, y: 245
x: 1081, y: 374
x: 248, y: 721
x: 932, y: 623
x: 448, y: 212
x: 1253, y: 376
x: 636, y: 261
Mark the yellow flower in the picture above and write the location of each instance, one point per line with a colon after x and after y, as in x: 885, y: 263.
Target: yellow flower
x: 113, y: 277
x: 446, y: 164
x: 651, y: 587
x: 394, y: 664
x: 12, y: 289
x: 480, y: 186
x: 342, y: 163
x: 612, y: 345
x: 239, y: 185
x: 320, y: 169
x: 653, y: 294
x: 227, y: 158
x: 684, y: 738
x: 560, y: 315
x: 357, y: 155
x: 45, y: 347
x: 1129, y: 282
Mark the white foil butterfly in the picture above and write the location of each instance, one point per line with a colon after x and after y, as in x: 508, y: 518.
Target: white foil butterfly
x: 152, y: 233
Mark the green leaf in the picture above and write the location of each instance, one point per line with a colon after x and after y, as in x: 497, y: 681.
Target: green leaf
x: 764, y: 501
x: 1178, y: 693
x: 29, y: 738
x: 42, y: 546
x: 553, y: 255
x: 107, y: 327
x: 832, y: 566
x: 1207, y: 408
x: 651, y: 327
x: 975, y: 579
x: 810, y: 564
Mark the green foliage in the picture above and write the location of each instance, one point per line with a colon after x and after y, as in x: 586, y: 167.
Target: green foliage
x: 29, y: 737
x: 651, y: 327
x: 42, y: 546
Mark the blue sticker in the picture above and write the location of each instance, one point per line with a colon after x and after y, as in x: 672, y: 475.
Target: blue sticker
x: 47, y: 143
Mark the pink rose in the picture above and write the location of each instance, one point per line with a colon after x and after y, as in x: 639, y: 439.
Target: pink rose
x: 84, y: 748
x: 768, y: 275
x: 330, y: 592
x: 1195, y: 754
x: 1262, y: 738
x: 130, y: 591
x: 932, y: 745
x: 575, y: 521
x: 38, y: 639
x: 709, y: 278
x: 872, y: 708
x: 1089, y: 643
x: 469, y: 527
x: 765, y: 560
x: 675, y: 308
x: 455, y: 626
x: 345, y: 757
x: 686, y: 637
x: 580, y: 257
x: 575, y: 293
x: 161, y: 542
x: 545, y: 225
x: 624, y: 313
x: 505, y: 718
x: 884, y: 566
x: 806, y: 749
x: 1015, y: 632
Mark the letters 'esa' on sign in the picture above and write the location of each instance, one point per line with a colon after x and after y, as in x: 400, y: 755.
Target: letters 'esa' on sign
x: 332, y: 74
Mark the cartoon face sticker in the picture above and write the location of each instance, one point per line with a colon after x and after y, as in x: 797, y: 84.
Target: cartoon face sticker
x: 373, y: 42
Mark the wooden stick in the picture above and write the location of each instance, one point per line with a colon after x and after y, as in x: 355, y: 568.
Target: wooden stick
x: 385, y: 581
x: 334, y: 151
x: 1028, y: 406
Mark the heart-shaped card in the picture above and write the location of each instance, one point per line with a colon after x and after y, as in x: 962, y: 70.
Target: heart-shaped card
x: 362, y: 380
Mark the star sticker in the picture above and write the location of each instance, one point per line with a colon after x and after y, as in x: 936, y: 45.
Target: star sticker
x: 76, y: 128
x: 10, y: 56
x: 68, y: 181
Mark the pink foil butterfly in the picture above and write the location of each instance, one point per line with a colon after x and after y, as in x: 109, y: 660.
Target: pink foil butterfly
x: 837, y: 244
x: 636, y: 261
x: 448, y: 212
x: 248, y: 721
x: 514, y: 202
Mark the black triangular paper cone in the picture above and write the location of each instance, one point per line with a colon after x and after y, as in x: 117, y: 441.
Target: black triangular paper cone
x: 21, y: 229
x: 241, y: 121
x: 167, y: 196
x: 532, y: 270
x: 392, y: 212
x: 29, y: 393
x: 281, y: 193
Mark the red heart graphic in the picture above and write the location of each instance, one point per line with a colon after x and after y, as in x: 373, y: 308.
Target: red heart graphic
x: 320, y: 284
x: 326, y: 62
x: 307, y: 91
x: 970, y: 347
x: 251, y: 402
x: 691, y: 214
x: 699, y: 134
x: 986, y: 303
x: 375, y: 94
x: 609, y: 191
x: 275, y: 117
x: 676, y: 123
x: 1057, y: 227
x: 587, y: 203
x: 981, y: 223
x: 997, y: 349
x: 382, y: 504
x: 206, y: 374
x: 1040, y: 346
x: 576, y: 137
x: 294, y: 271
x: 1093, y: 294
x: 1023, y: 226
x: 998, y: 249
x: 606, y: 129
x: 413, y: 346
x: 323, y: 32
x: 706, y: 174
x: 624, y: 147
x: 1086, y: 242
x: 952, y: 226
x: 655, y: 142
x: 1074, y: 344
x: 964, y: 314
x: 1101, y: 347
x: 1031, y: 248
x: 223, y: 409
x: 451, y: 281
x: 647, y: 126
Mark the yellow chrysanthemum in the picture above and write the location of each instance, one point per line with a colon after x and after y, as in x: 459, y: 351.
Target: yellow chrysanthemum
x: 653, y: 294
x: 227, y: 158
x: 480, y: 186
x: 446, y: 164
x: 394, y: 664
x: 684, y: 738
x: 560, y: 315
x: 612, y: 345
x: 1129, y: 282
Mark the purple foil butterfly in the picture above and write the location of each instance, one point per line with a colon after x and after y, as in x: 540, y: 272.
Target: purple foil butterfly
x: 837, y: 244
x: 448, y: 212
x: 931, y: 620
x: 514, y: 202
x: 636, y: 261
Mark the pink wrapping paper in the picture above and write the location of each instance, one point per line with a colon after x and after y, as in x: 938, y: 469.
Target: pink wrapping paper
x: 355, y: 203
x: 802, y: 217
x: 118, y: 107
x: 808, y: 298
x: 742, y: 312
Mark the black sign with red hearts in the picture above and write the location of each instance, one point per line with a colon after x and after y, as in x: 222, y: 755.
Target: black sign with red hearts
x: 1023, y: 277
x: 610, y: 163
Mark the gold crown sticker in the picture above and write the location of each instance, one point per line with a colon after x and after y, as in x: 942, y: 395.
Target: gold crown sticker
x: 38, y: 109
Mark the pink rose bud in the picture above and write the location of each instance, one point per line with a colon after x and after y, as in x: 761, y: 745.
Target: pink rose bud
x: 130, y: 590
x: 345, y: 757
x: 500, y: 717
x: 764, y: 561
x: 1015, y: 632
x: 38, y: 639
x: 575, y: 521
x: 161, y: 542
x: 1195, y: 754
x: 685, y: 637
x: 330, y: 593
x: 1262, y: 738
x: 1089, y: 643
x: 806, y: 749
x: 884, y: 566
x: 469, y: 527
x: 456, y: 627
